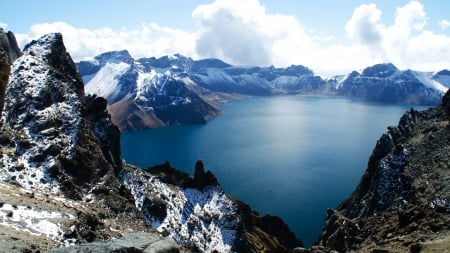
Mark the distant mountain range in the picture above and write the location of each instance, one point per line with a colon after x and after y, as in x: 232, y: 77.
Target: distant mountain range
x: 152, y: 92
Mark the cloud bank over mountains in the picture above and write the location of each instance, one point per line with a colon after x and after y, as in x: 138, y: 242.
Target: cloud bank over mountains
x: 244, y: 33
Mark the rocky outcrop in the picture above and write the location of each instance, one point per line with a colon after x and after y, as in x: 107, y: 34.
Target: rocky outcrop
x: 140, y: 242
x: 9, y: 44
x: 201, y: 178
x: 62, y: 138
x: 198, y: 214
x: 9, y: 52
x: 403, y: 198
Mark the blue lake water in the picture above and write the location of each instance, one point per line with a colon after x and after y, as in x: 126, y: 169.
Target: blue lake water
x: 291, y: 156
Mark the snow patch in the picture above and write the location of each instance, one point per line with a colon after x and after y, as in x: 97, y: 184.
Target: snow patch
x: 106, y: 83
x: 36, y: 222
x: 427, y: 80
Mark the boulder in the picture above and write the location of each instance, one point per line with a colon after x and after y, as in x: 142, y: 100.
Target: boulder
x: 140, y: 242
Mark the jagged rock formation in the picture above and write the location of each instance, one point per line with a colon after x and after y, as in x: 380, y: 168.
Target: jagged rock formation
x: 55, y: 130
x: 58, y: 150
x: 62, y: 177
x: 8, y: 43
x: 403, y: 198
x: 9, y: 52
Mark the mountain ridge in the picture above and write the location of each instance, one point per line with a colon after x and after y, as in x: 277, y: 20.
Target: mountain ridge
x: 136, y: 81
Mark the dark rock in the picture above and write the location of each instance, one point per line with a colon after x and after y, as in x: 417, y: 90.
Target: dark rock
x: 201, y: 178
x: 380, y: 251
x: 339, y: 232
x: 415, y: 248
x: 95, y: 104
x: 263, y: 234
x: 155, y: 207
x: 8, y: 43
x: 274, y: 225
x: 169, y: 175
x: 9, y: 52
x: 446, y: 104
x: 52, y: 150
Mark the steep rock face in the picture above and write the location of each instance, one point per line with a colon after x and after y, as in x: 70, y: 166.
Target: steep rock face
x: 9, y: 44
x: 139, y: 95
x: 59, y: 151
x: 404, y: 196
x: 9, y: 52
x: 57, y: 134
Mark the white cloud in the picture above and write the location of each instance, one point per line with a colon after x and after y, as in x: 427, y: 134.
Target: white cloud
x: 444, y: 23
x: 364, y: 24
x: 406, y: 42
x: 242, y: 32
x: 143, y: 41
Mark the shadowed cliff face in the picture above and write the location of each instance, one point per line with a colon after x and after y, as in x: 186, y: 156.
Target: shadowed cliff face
x: 9, y: 52
x: 403, y: 197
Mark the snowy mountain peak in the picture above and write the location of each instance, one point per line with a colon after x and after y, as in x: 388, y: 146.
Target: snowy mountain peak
x: 114, y: 57
x: 380, y: 70
x: 442, y: 77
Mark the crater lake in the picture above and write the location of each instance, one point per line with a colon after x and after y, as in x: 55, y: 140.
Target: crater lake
x: 290, y: 156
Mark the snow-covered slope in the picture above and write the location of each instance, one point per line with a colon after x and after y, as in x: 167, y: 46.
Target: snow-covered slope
x: 197, y: 213
x: 145, y: 93
x: 206, y: 219
x: 48, y: 117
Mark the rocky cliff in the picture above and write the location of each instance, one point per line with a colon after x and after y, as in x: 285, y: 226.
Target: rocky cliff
x: 9, y: 52
x: 63, y: 181
x: 402, y: 203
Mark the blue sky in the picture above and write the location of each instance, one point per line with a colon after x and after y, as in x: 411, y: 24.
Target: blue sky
x: 330, y: 37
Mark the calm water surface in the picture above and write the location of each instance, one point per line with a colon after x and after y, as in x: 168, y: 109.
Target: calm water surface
x: 291, y: 156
